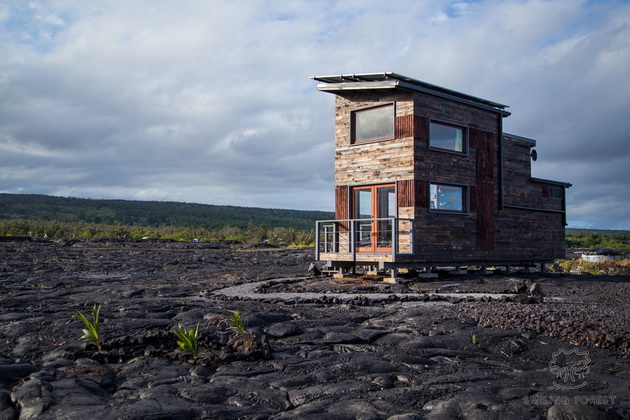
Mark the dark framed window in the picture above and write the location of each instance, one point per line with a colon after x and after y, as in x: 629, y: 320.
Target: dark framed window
x: 554, y: 192
x: 448, y: 198
x: 448, y: 137
x: 373, y: 124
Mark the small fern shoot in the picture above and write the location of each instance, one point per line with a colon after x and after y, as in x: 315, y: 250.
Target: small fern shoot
x: 91, y: 330
x: 188, y: 339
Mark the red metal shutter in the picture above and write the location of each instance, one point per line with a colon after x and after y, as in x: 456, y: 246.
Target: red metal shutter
x: 404, y: 126
x: 342, y: 206
x: 483, y: 142
x: 406, y: 193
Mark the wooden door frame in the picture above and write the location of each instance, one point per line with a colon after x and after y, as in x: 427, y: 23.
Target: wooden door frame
x: 374, y: 213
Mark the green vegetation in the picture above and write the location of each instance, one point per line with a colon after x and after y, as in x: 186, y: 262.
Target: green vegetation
x: 252, y: 234
x: 232, y: 321
x: 617, y: 267
x: 91, y: 331
x: 240, y: 339
x: 235, y: 322
x: 56, y: 217
x: 188, y: 339
x: 473, y: 339
x: 594, y: 239
x: 151, y: 213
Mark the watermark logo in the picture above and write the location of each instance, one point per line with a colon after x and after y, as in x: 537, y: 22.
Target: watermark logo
x: 570, y: 367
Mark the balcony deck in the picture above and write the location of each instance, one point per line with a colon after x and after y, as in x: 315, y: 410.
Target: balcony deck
x: 364, y: 240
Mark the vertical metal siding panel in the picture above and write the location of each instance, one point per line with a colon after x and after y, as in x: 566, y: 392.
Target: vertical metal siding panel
x: 342, y: 206
x: 406, y: 193
x: 473, y: 199
x: 485, y: 215
x: 485, y: 167
x: 483, y: 142
x: 404, y: 126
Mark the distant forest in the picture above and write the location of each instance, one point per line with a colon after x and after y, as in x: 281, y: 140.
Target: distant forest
x: 59, y: 217
x: 592, y: 238
x: 151, y: 213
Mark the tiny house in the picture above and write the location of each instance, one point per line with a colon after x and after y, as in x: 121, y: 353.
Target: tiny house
x: 425, y: 177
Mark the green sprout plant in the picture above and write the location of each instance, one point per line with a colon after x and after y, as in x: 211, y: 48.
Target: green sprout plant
x: 188, y: 339
x: 231, y: 321
x: 240, y: 339
x: 91, y: 330
x: 235, y: 322
x: 473, y: 339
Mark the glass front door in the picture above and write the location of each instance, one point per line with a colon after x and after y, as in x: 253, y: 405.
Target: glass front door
x: 371, y: 203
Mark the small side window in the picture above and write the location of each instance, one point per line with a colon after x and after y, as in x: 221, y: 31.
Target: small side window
x: 372, y: 124
x: 448, y: 198
x: 447, y: 137
x: 554, y: 192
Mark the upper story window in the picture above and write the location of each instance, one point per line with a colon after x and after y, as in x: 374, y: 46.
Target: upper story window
x: 447, y: 137
x: 372, y: 124
x: 449, y: 198
x: 554, y: 192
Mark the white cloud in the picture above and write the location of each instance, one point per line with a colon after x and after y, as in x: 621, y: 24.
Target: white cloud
x: 210, y: 101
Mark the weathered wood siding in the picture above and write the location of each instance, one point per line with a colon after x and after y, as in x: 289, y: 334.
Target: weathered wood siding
x: 523, y: 234
x: 486, y: 232
x: 539, y: 234
x: 519, y: 189
x: 373, y: 162
x: 445, y: 237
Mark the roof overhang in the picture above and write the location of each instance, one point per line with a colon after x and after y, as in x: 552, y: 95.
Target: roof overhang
x: 378, y: 81
x: 549, y: 181
x: 531, y: 142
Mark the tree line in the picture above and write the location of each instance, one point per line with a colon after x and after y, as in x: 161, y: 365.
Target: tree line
x: 59, y: 217
x: 151, y: 213
x: 253, y: 233
x: 598, y: 239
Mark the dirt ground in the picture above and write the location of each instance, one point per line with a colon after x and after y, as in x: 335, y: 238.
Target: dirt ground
x: 461, y: 346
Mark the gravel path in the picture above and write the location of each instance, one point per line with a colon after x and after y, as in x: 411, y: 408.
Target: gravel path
x: 251, y: 291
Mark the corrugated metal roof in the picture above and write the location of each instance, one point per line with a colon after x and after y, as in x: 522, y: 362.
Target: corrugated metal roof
x: 402, y: 81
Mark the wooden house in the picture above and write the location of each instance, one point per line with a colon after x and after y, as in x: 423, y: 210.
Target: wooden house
x: 425, y: 177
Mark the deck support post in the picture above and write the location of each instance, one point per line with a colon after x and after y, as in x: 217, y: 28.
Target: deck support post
x: 428, y: 274
x: 393, y: 276
x: 458, y: 270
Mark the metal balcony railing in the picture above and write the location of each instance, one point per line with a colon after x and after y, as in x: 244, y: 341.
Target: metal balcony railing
x: 351, y: 236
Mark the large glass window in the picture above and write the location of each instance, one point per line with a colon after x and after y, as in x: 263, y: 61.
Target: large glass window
x: 447, y: 198
x: 447, y: 137
x: 373, y: 124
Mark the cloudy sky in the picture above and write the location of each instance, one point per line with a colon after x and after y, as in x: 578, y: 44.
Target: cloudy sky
x: 210, y: 101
